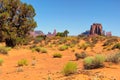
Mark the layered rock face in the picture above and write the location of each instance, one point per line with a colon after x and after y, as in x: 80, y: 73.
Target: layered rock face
x: 96, y: 28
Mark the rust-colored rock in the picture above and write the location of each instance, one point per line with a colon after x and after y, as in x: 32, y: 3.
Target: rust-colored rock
x: 96, y: 29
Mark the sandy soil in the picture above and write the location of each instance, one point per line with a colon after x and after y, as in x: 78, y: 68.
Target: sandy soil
x: 49, y: 68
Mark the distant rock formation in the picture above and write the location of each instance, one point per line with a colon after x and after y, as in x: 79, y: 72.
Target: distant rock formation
x: 86, y: 33
x: 108, y: 34
x: 96, y: 29
x: 36, y: 33
x: 52, y: 34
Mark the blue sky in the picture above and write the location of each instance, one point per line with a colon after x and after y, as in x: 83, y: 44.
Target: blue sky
x: 76, y: 15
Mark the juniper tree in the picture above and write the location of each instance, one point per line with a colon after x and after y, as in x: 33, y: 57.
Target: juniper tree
x: 16, y: 21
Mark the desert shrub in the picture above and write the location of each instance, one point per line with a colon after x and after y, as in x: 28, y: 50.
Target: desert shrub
x: 1, y: 61
x: 4, y: 50
x: 22, y: 62
x: 50, y: 45
x: 37, y: 49
x: 98, y: 61
x: 62, y: 48
x: 57, y: 55
x: 71, y: 45
x: 116, y: 46
x: 110, y: 42
x: 62, y: 40
x: 91, y: 44
x: 69, y: 68
x: 115, y: 57
x: 43, y: 50
x: 74, y: 42
x: 94, y: 62
x: 39, y: 38
x: 84, y: 46
x: 94, y: 40
x: 88, y: 62
x: 80, y: 55
x: 21, y: 41
x: 32, y: 46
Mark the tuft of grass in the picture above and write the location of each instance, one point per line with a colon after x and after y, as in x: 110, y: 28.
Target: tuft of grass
x: 43, y: 50
x: 57, y: 55
x: 70, y: 68
x: 114, y: 58
x: 4, y: 50
x: 80, y: 55
x: 116, y: 46
x: 84, y: 46
x: 98, y: 61
x: 62, y: 48
x: 94, y: 62
x: 1, y: 61
x: 39, y: 49
x: 22, y: 62
x: 88, y: 62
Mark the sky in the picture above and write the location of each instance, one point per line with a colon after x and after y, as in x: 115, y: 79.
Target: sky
x: 76, y: 15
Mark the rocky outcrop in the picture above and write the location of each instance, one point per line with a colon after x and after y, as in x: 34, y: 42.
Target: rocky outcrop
x: 96, y: 29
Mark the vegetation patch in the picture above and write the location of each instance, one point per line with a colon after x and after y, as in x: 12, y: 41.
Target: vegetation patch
x: 70, y: 68
x: 22, y: 62
x: 62, y: 48
x: 39, y: 49
x: 84, y: 46
x: 4, y: 50
x: 116, y: 46
x: 114, y: 58
x: 81, y: 55
x: 57, y: 55
x: 43, y: 50
x: 94, y: 62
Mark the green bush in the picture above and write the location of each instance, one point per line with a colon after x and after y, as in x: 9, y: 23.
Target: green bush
x: 110, y: 42
x: 4, y: 50
x: 37, y: 49
x: 22, y: 62
x: 38, y: 39
x: 114, y: 58
x: 98, y: 61
x: 116, y: 46
x: 94, y: 62
x: 43, y: 50
x: 57, y: 55
x: 1, y: 61
x: 84, y: 46
x: 88, y: 62
x: 80, y: 55
x: 62, y: 48
x: 70, y: 68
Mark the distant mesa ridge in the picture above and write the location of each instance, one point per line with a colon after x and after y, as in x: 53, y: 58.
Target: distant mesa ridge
x: 96, y: 29
x: 38, y: 32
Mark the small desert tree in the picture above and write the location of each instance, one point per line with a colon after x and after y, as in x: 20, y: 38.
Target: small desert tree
x: 16, y: 21
x: 61, y: 34
x: 66, y: 32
